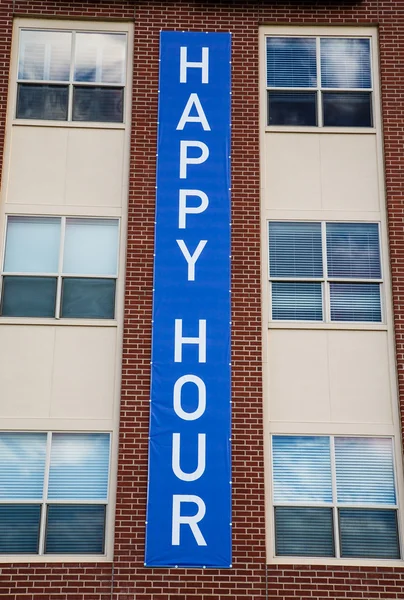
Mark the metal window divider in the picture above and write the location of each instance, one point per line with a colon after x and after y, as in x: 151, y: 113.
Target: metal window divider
x: 42, y: 530
x: 71, y: 78
x: 60, y: 268
x: 318, y: 84
x: 337, y: 544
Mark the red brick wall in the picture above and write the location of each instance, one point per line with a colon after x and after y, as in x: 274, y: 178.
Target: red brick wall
x: 127, y: 579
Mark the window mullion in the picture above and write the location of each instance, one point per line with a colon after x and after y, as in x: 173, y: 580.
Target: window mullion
x: 319, y: 97
x: 71, y: 77
x: 60, y: 268
x: 42, y: 530
x: 326, y: 291
x: 3, y: 258
x: 334, y: 497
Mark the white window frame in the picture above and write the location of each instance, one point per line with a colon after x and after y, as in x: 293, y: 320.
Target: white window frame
x: 70, y: 84
x: 325, y: 280
x: 319, y: 89
x: 59, y: 275
x: 54, y: 24
x: 335, y: 505
x: 44, y: 502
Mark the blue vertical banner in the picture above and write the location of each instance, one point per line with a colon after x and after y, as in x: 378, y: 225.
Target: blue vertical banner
x: 189, y: 487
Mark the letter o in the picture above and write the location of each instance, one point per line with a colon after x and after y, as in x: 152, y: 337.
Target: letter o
x: 190, y: 416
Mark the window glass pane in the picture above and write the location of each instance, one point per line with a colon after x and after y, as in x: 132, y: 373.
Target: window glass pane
x: 88, y: 298
x: 369, y: 533
x: 45, y: 102
x: 99, y: 104
x: 79, y: 466
x: 301, y: 531
x: 291, y: 62
x: 44, y: 55
x: 297, y: 301
x: 32, y: 245
x: 22, y: 465
x: 301, y: 469
x: 100, y: 57
x: 292, y: 108
x: 91, y: 247
x: 75, y: 528
x: 353, y: 250
x: 365, y: 471
x: 29, y: 296
x: 295, y: 249
x: 355, y: 302
x: 19, y: 528
x: 348, y: 109
x: 345, y: 63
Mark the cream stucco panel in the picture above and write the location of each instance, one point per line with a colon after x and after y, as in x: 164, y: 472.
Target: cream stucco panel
x: 292, y: 174
x: 298, y: 376
x: 84, y: 373
x: 359, y: 377
x: 94, y: 167
x: 26, y: 359
x: 61, y: 166
x: 37, y: 166
x: 349, y: 172
x: 328, y: 376
x: 328, y: 172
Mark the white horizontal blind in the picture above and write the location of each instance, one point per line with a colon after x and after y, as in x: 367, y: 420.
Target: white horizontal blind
x: 100, y: 58
x: 304, y: 531
x: 22, y: 460
x: 365, y: 471
x: 301, y: 469
x: 353, y: 250
x: 345, y: 63
x: 291, y: 62
x: 355, y: 302
x: 363, y: 497
x: 295, y: 249
x: 44, y: 55
x: 297, y: 301
x: 368, y: 533
x: 79, y: 466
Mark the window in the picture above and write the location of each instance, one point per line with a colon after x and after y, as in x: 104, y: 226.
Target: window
x: 325, y: 271
x: 71, y: 76
x: 334, y: 497
x: 319, y: 81
x: 53, y: 492
x: 60, y: 267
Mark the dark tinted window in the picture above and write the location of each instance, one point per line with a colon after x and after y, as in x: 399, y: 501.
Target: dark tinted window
x: 46, y: 102
x: 292, y: 108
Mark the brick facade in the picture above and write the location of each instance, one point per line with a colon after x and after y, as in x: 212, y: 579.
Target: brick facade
x: 126, y: 579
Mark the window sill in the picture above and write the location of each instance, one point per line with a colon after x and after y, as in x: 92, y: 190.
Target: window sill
x: 344, y: 130
x: 54, y: 558
x: 337, y: 326
x: 68, y: 124
x: 330, y: 562
x: 58, y: 322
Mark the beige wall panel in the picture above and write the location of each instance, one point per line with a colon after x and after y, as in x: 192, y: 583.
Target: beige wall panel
x: 94, y: 167
x: 359, y: 377
x: 26, y: 359
x: 349, y: 172
x: 38, y: 165
x: 292, y: 177
x: 83, y: 375
x: 298, y: 376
